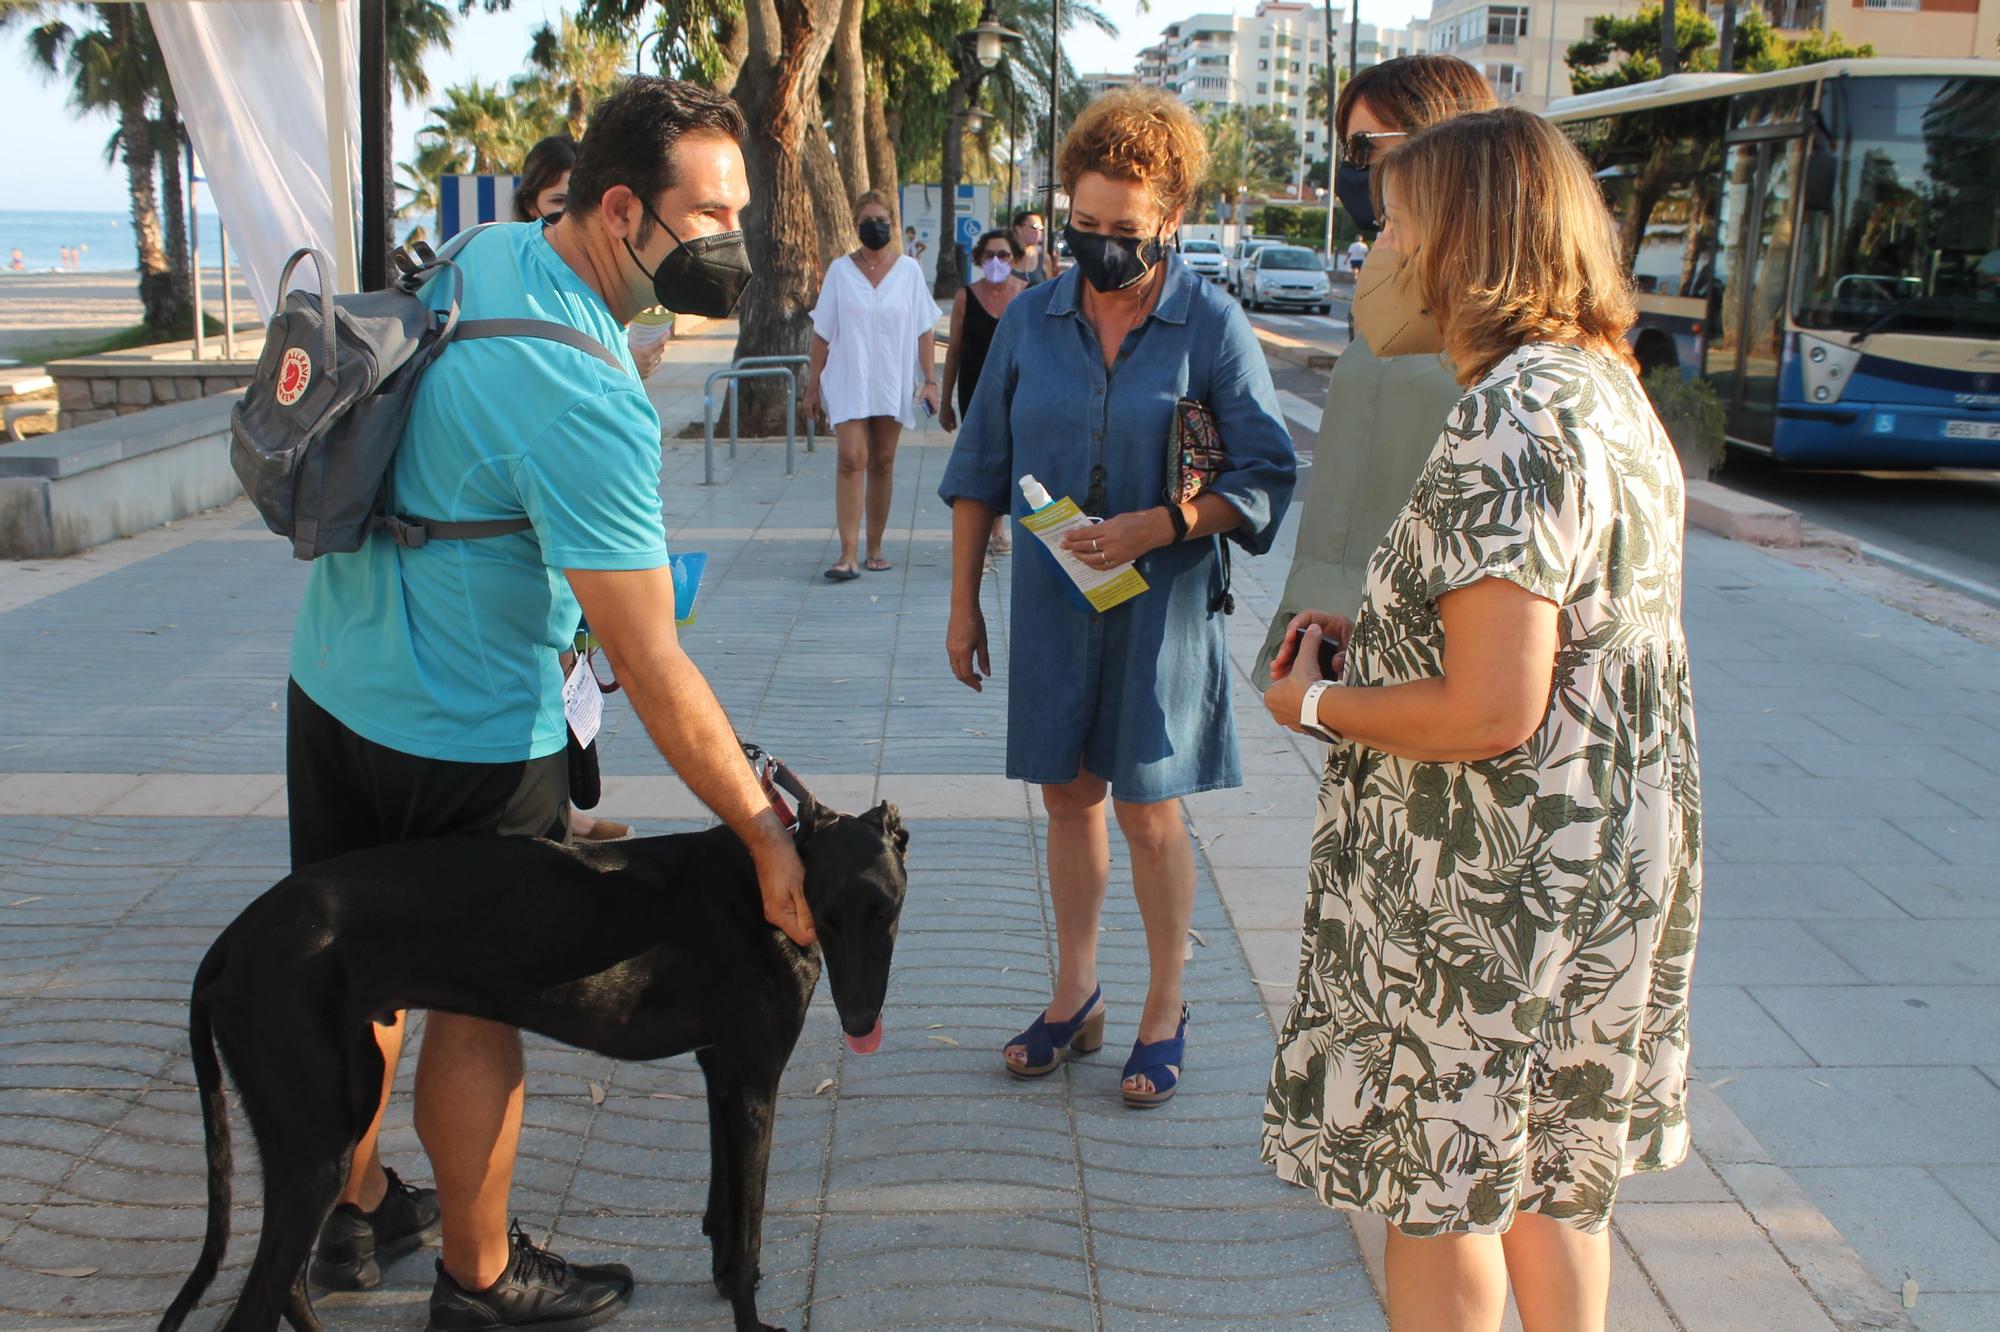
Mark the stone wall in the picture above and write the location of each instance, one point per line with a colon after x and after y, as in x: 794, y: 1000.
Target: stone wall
x: 90, y: 389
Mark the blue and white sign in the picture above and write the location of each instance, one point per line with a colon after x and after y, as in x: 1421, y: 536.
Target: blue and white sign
x: 972, y: 215
x: 467, y: 201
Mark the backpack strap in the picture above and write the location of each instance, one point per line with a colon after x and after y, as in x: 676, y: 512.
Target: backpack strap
x: 413, y: 533
x: 547, y: 330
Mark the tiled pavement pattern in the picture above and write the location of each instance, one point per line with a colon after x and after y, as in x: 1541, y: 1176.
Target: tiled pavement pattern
x: 1844, y: 1020
x: 923, y: 1189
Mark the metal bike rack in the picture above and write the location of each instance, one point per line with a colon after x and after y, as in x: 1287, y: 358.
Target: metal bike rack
x: 731, y: 376
x: 748, y: 362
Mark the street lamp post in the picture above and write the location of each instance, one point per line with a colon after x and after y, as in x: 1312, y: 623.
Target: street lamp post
x: 639, y: 51
x: 1332, y: 85
x: 1055, y: 112
x: 980, y: 49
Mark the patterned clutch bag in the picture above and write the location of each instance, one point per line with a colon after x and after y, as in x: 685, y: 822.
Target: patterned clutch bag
x: 1195, y: 455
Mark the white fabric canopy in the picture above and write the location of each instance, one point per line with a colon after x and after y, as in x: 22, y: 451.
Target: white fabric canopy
x: 257, y: 99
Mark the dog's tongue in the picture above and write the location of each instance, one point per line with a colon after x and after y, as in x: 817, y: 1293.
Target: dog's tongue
x: 869, y: 1044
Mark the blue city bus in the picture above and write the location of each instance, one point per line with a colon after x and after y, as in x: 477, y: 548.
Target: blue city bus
x: 1822, y: 245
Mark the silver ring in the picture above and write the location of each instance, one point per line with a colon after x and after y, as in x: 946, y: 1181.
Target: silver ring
x: 1095, y: 547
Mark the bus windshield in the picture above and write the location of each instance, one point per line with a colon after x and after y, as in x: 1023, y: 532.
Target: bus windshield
x: 1912, y: 240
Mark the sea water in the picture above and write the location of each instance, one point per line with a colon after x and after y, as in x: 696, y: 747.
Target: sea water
x: 41, y: 236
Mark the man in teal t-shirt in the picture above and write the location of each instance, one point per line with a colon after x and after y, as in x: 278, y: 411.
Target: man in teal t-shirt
x: 426, y: 699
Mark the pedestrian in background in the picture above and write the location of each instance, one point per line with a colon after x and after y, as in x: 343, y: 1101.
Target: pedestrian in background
x: 975, y: 313
x: 1381, y: 412
x: 1079, y: 390
x: 1490, y: 1027
x: 873, y: 360
x: 544, y: 187
x: 1038, y: 261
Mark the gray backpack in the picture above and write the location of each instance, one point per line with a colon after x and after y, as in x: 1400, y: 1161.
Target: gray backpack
x: 315, y: 433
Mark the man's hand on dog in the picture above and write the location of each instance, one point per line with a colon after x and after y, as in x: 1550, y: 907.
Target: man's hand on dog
x: 781, y: 878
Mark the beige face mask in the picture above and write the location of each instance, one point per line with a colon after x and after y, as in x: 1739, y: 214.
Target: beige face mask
x: 1389, y: 308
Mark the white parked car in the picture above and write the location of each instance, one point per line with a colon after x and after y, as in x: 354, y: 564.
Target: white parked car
x: 1246, y: 247
x: 1205, y: 258
x: 1288, y: 276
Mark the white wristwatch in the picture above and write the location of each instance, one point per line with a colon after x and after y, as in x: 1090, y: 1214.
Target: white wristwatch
x: 1309, y: 711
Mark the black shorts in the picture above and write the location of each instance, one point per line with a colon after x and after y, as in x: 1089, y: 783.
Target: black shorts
x: 347, y: 793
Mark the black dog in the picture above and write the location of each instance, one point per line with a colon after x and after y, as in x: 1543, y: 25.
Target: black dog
x: 637, y: 950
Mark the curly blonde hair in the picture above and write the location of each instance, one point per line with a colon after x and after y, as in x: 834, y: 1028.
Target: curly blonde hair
x: 1143, y: 135
x: 1510, y: 238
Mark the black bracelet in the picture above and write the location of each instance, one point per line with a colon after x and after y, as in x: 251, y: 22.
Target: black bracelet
x: 1179, y: 521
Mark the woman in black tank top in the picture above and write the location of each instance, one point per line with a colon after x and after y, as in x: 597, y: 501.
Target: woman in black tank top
x: 974, y: 315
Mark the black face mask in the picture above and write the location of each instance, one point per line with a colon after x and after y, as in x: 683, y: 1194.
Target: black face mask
x: 1113, y: 263
x: 1350, y: 186
x: 874, y: 233
x: 705, y: 276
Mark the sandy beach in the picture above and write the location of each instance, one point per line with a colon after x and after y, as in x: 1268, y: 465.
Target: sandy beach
x: 39, y: 308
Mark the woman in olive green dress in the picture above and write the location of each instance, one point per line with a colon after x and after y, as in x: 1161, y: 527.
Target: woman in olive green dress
x: 1381, y: 412
x: 1490, y: 1025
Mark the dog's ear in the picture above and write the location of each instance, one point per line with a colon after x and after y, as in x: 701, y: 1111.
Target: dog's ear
x: 814, y: 818
x: 890, y: 820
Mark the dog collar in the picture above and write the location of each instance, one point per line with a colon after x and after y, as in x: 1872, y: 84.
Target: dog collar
x: 778, y: 782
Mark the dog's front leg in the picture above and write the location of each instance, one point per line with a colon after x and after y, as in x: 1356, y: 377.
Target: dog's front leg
x: 741, y: 1107
x: 715, y: 1221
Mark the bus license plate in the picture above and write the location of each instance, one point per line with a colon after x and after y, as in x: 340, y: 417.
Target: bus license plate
x: 1987, y: 430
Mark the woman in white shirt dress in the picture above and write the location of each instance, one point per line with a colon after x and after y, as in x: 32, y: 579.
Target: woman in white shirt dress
x: 872, y: 362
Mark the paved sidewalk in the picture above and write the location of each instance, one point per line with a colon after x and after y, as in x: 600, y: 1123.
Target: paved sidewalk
x: 1846, y: 1004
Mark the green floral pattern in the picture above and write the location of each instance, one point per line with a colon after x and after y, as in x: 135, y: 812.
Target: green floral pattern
x: 1491, y: 1012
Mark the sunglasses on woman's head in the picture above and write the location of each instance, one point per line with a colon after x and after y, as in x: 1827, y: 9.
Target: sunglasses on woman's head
x: 1358, y: 149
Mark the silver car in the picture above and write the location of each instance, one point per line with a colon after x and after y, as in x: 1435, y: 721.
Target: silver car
x: 1287, y: 276
x: 1239, y: 265
x: 1205, y: 258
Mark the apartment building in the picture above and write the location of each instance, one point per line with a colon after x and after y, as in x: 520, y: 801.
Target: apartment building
x: 1521, y: 46
x: 1270, y: 57
x: 1956, y: 29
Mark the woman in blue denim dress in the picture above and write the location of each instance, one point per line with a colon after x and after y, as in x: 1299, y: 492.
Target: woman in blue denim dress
x: 1079, y: 391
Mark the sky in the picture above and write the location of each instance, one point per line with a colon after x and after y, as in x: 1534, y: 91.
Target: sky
x: 58, y: 162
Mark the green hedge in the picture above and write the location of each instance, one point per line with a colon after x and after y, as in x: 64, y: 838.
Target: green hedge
x: 1305, y: 226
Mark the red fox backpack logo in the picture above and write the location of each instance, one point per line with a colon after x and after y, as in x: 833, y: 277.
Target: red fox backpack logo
x: 293, y: 376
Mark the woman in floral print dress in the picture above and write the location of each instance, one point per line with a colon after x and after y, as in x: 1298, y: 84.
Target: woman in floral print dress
x: 1490, y: 1026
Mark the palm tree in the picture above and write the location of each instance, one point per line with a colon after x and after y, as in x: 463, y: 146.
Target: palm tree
x: 477, y: 128
x: 411, y: 28
x: 574, y: 67
x: 115, y: 67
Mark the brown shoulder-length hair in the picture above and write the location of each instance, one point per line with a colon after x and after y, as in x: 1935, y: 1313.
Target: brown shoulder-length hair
x: 1510, y: 237
x: 1143, y: 135
x: 544, y: 166
x: 1414, y: 92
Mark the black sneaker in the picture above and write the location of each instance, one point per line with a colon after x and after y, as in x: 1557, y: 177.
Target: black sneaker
x: 354, y: 1246
x: 537, y: 1290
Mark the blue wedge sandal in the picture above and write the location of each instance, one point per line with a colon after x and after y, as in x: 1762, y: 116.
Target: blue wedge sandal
x: 1160, y: 1064
x: 1048, y: 1043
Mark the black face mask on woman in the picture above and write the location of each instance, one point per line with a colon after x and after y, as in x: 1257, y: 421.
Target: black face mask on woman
x: 1113, y: 263
x: 874, y: 233
x: 1350, y: 186
x: 705, y: 276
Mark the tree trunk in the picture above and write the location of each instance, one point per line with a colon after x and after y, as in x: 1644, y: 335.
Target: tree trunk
x: 167, y: 142
x: 778, y: 89
x: 850, y: 101
x: 734, y: 39
x: 163, y: 314
x: 833, y: 205
x: 881, y: 126
x: 951, y: 166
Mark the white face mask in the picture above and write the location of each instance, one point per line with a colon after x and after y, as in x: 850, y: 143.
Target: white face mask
x: 996, y: 269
